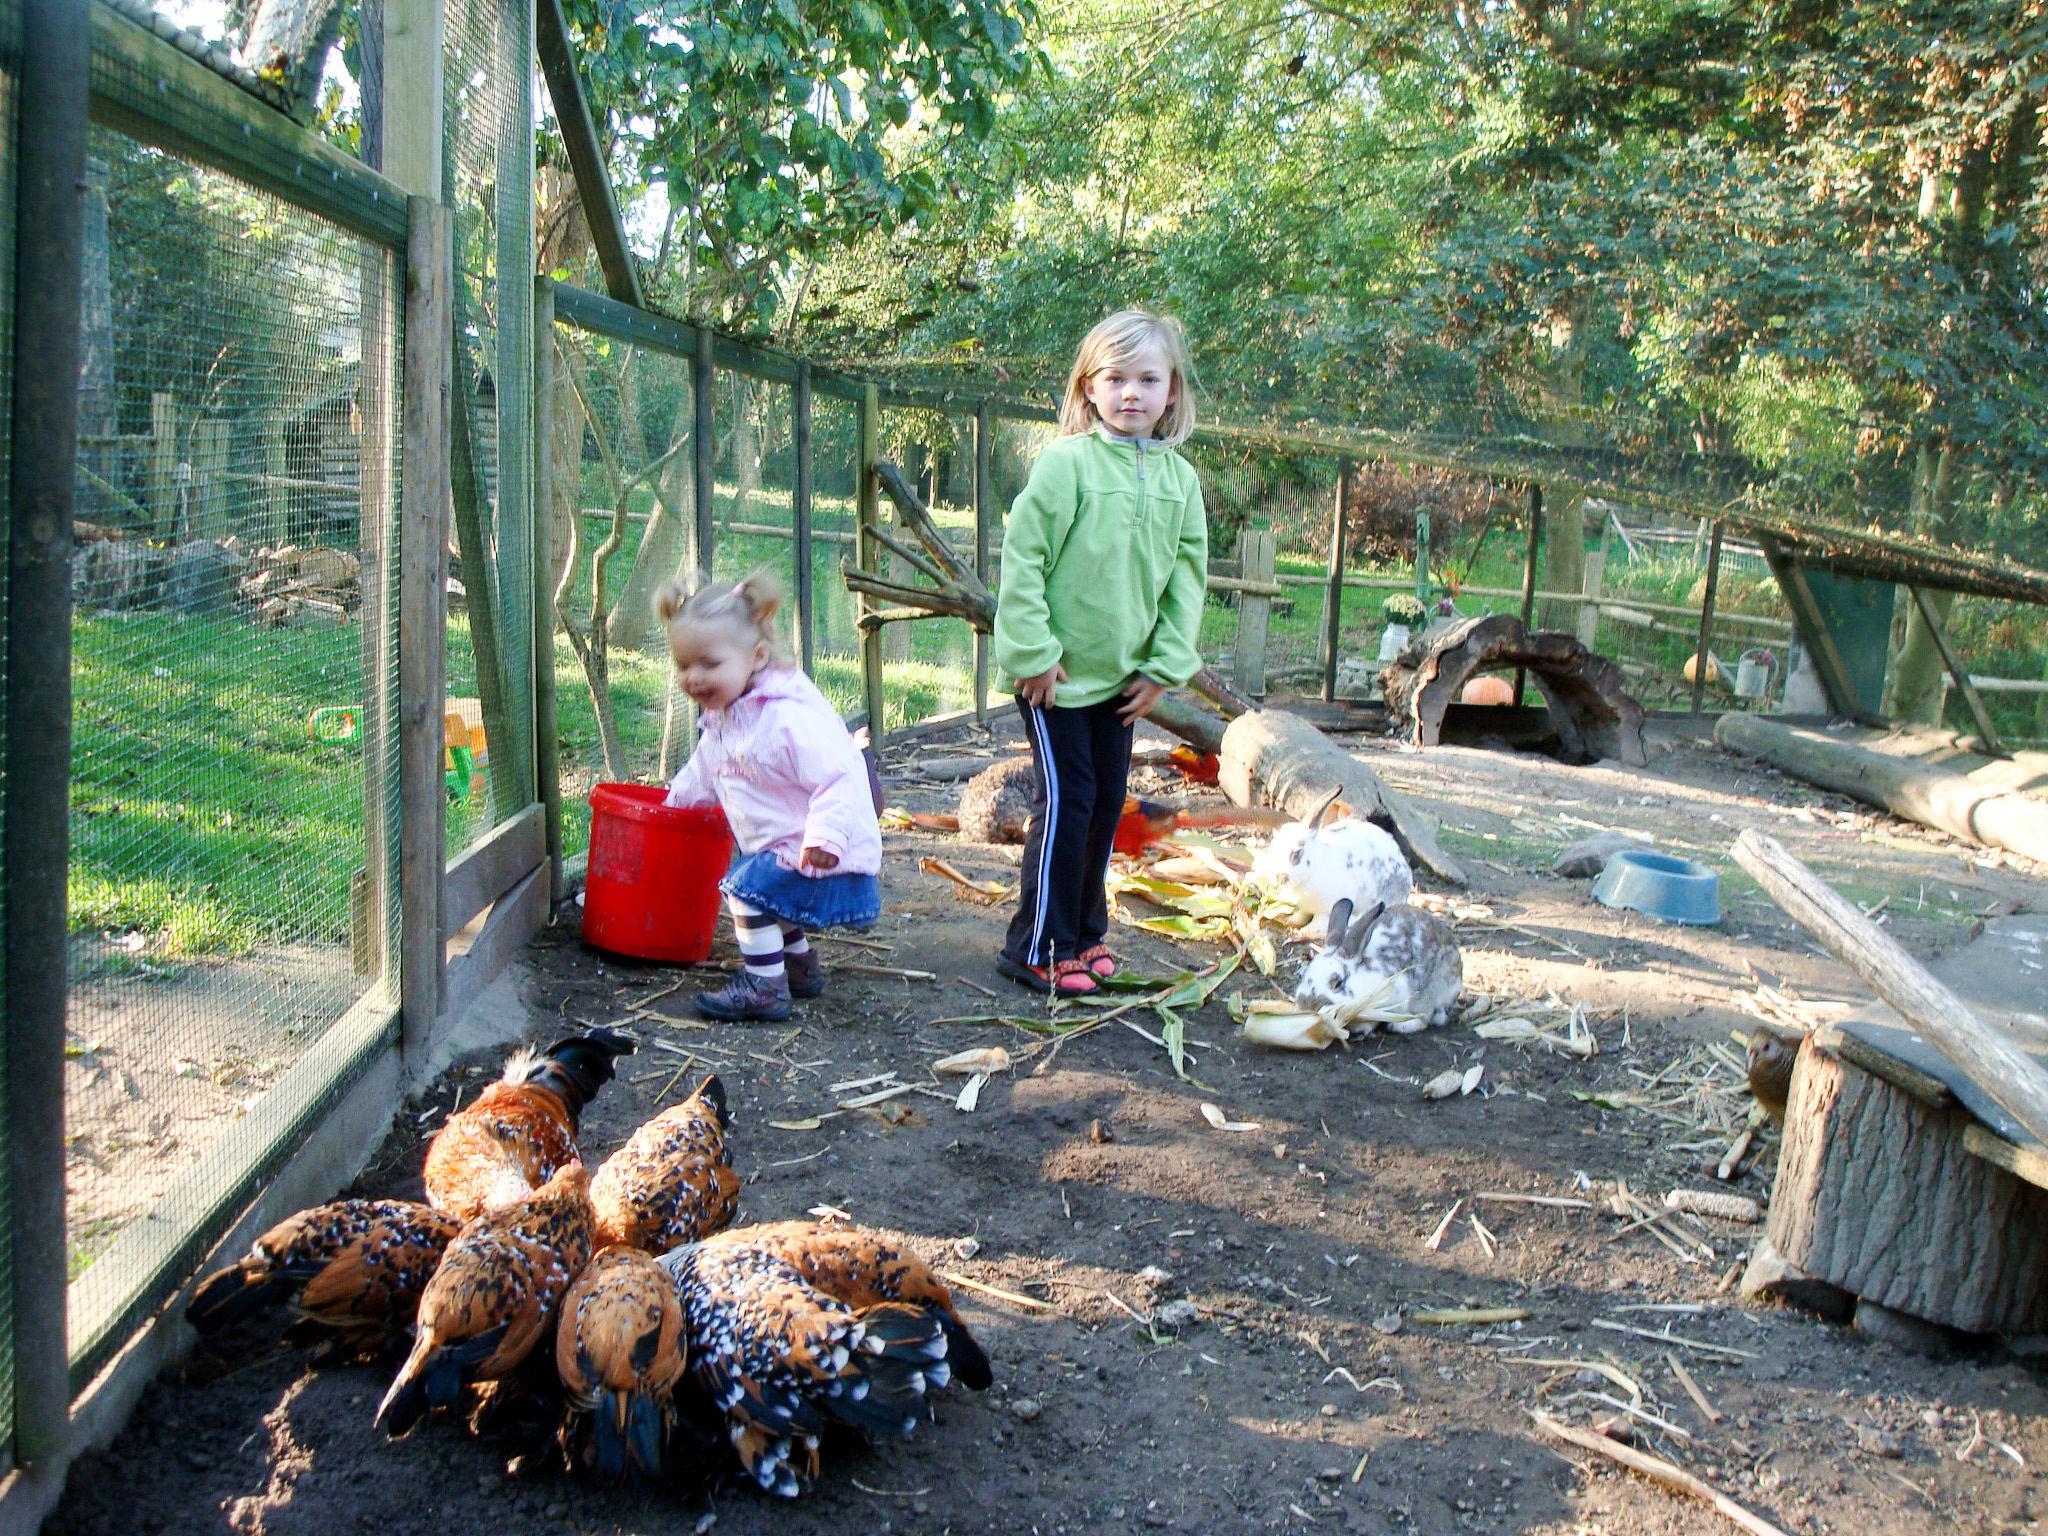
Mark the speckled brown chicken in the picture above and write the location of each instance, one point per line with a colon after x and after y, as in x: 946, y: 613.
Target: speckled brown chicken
x: 863, y: 1268
x: 353, y: 1271
x: 619, y: 1349
x: 1771, y: 1059
x: 671, y: 1182
x: 778, y: 1357
x: 497, y: 1289
x: 520, y: 1129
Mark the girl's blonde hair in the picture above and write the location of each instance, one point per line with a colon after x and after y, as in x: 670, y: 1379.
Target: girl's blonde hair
x: 745, y: 609
x: 1117, y: 341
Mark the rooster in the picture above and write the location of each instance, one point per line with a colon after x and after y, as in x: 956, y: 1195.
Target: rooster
x: 353, y: 1270
x: 863, y: 1269
x: 522, y: 1128
x: 620, y: 1353
x: 670, y: 1183
x: 779, y: 1357
x: 489, y: 1303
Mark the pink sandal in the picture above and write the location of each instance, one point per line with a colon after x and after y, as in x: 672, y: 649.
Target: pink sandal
x: 1065, y: 978
x: 1099, y: 960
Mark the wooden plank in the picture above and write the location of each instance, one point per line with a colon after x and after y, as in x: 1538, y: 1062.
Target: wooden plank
x: 415, y: 36
x: 504, y: 856
x: 1529, y: 576
x: 800, y: 511
x: 868, y: 556
x: 2008, y: 1074
x: 1937, y: 631
x: 2028, y: 1163
x: 1254, y: 611
x: 1333, y: 588
x: 586, y: 157
x: 518, y: 915
x: 984, y: 519
x: 424, y: 513
x: 1702, y: 649
x: 704, y: 456
x: 377, y: 547
x: 161, y: 476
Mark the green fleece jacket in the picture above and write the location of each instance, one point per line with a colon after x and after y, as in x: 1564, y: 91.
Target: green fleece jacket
x: 1105, y: 563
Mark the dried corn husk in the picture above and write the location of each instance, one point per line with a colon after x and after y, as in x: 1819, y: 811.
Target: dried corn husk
x: 1223, y: 1122
x: 1293, y: 1030
x: 1444, y: 1084
x: 984, y: 1059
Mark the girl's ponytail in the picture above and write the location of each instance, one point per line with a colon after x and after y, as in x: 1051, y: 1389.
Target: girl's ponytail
x: 746, y: 608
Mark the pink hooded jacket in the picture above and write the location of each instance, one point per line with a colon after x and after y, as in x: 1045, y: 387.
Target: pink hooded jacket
x: 781, y: 765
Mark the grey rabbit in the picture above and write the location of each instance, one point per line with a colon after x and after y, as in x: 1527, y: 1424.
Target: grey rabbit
x: 1412, y: 949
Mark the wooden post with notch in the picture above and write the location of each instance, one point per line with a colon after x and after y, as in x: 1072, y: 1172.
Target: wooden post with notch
x: 1333, y: 591
x: 425, y: 508
x: 1254, y: 610
x: 868, y: 556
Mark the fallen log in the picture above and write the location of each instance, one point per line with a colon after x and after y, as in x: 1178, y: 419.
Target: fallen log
x: 1585, y: 692
x: 1931, y: 795
x: 1298, y: 768
x: 1987, y: 1055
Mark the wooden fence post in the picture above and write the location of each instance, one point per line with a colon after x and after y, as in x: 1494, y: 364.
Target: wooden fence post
x: 1529, y: 575
x: 1595, y: 577
x: 208, y: 510
x: 703, y: 456
x: 1333, y: 593
x: 800, y: 514
x: 162, y: 481
x: 547, y: 754
x: 1255, y: 551
x: 984, y: 511
x: 425, y: 510
x: 867, y: 555
x: 1706, y: 637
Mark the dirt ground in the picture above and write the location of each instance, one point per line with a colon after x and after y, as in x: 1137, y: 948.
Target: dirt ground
x: 1301, y: 1393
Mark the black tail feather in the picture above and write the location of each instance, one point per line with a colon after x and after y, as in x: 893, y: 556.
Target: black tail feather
x: 233, y: 1294
x: 435, y: 1383
x: 646, y: 1431
x: 901, y: 1345
x: 970, y: 1362
x: 714, y: 1095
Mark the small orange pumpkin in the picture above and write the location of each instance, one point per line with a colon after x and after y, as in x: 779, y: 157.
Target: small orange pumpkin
x: 1488, y: 688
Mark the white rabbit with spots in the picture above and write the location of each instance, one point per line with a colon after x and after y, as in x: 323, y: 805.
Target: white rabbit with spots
x: 1317, y: 866
x: 1410, y: 953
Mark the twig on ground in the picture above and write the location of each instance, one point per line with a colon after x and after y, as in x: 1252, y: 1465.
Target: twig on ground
x: 1657, y: 1468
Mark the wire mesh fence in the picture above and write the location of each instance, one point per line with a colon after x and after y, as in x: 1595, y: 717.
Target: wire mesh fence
x: 232, y: 881
x: 487, y: 167
x: 10, y: 66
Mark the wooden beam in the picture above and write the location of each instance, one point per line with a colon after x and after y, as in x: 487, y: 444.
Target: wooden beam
x: 424, y: 510
x: 1937, y: 631
x: 868, y: 555
x: 800, y: 512
x: 2008, y: 1074
x: 411, y: 140
x: 586, y: 157
x: 1256, y: 547
x: 547, y: 741
x: 1333, y: 590
x: 1812, y: 629
x: 1706, y: 639
x: 507, y: 854
x: 704, y: 456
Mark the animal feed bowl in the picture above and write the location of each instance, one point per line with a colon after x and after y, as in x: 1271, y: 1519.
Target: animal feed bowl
x: 1660, y: 885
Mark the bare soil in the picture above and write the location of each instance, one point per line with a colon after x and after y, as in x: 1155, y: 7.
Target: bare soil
x: 1096, y: 1187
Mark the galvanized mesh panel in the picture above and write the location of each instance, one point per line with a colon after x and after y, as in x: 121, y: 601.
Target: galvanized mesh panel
x: 10, y: 59
x: 234, y: 794
x: 1014, y: 447
x: 623, y: 478
x: 488, y: 183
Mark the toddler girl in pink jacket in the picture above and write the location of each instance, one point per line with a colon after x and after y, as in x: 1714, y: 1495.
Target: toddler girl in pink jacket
x: 775, y: 756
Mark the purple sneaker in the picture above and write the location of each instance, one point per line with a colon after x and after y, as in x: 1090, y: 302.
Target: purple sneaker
x: 747, y: 996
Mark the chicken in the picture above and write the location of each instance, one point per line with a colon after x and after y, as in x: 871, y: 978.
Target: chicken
x: 778, y: 1358
x: 522, y: 1128
x: 620, y: 1353
x: 863, y: 1269
x: 498, y: 1287
x: 1145, y: 822
x: 352, y: 1269
x: 670, y: 1183
x: 1771, y: 1058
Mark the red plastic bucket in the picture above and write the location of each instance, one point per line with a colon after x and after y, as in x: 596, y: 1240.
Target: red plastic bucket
x: 652, y: 886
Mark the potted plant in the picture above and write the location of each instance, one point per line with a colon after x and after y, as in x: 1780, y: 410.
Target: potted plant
x: 1402, y: 611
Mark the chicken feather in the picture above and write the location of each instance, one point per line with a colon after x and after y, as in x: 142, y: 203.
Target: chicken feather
x: 619, y: 1350
x: 671, y: 1182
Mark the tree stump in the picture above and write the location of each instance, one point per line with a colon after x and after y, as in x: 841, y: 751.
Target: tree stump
x: 1883, y: 1192
x: 1584, y: 691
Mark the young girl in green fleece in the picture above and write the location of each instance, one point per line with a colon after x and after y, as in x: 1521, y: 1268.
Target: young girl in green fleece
x: 1105, y: 561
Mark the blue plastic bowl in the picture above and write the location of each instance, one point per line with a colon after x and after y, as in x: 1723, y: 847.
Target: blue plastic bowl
x: 1660, y: 885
